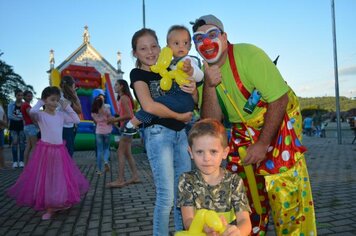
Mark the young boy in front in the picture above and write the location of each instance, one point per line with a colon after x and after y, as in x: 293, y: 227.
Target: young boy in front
x: 210, y: 186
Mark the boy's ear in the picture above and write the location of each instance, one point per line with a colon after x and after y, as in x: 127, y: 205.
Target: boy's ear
x: 226, y: 152
x: 190, y: 152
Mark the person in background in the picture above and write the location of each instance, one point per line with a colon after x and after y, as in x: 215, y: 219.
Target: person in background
x: 317, y: 120
x: 126, y: 106
x: 210, y: 186
x: 102, y: 117
x: 17, y: 134
x: 30, y: 129
x: 3, y: 125
x: 308, y: 125
x: 69, y: 94
x: 165, y: 138
x: 51, y: 181
x: 266, y: 120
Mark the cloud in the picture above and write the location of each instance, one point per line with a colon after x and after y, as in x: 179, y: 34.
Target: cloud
x: 348, y: 71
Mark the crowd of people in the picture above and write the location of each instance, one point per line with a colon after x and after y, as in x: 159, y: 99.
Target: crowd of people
x: 265, y: 172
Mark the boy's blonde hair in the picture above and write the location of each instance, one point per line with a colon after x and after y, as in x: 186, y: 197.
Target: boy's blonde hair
x: 210, y: 127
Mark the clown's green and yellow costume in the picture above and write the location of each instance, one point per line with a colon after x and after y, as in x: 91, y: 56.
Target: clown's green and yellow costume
x: 282, y: 178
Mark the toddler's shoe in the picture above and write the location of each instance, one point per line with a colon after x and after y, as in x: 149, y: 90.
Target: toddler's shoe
x: 21, y: 164
x: 15, y: 165
x: 129, y: 131
x: 107, y: 167
x: 47, y: 216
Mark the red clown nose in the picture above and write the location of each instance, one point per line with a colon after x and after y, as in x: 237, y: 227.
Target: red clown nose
x: 206, y: 41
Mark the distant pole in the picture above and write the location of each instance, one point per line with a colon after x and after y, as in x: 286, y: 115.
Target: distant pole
x: 338, y: 120
x: 143, y: 14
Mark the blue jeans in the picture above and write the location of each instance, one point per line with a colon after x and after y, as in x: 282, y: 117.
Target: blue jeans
x: 167, y: 152
x: 69, y: 136
x: 103, y: 149
x: 18, y: 139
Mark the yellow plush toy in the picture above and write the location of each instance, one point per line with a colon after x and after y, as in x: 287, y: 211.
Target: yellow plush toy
x: 163, y: 62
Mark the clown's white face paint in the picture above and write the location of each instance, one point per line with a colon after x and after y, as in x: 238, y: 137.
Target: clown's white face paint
x: 208, y: 44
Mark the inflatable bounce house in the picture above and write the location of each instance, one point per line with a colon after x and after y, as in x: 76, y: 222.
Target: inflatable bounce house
x: 93, y: 75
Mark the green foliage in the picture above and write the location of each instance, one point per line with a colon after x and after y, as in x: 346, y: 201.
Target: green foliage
x: 326, y: 104
x: 9, y: 81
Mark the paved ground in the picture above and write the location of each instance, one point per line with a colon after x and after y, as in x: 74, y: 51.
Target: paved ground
x: 128, y: 211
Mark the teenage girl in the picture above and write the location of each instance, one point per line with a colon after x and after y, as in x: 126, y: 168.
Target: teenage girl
x: 30, y: 129
x: 126, y: 105
x: 102, y: 117
x: 69, y: 94
x: 165, y: 138
x: 51, y: 181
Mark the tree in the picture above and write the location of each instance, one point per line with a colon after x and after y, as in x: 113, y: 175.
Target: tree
x: 9, y: 81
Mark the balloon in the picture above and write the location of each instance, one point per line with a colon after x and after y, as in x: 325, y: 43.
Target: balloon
x: 165, y: 83
x: 251, y: 182
x: 203, y: 217
x: 163, y: 62
x: 213, y: 221
x: 55, y: 78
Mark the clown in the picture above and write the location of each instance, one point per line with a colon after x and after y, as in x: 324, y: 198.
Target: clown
x: 270, y: 133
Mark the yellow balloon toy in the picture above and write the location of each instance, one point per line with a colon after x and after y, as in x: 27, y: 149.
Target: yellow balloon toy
x: 55, y: 78
x: 163, y: 62
x: 203, y: 217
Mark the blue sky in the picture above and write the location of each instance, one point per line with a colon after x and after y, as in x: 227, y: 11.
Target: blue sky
x: 299, y: 31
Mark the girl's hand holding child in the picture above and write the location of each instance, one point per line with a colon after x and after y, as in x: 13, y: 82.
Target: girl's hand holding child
x: 184, y: 117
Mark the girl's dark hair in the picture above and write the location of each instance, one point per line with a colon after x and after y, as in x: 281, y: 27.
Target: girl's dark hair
x: 50, y: 90
x: 138, y: 35
x: 126, y: 91
x: 97, y: 104
x: 66, y: 86
x: 177, y: 27
x: 26, y: 93
x: 17, y: 91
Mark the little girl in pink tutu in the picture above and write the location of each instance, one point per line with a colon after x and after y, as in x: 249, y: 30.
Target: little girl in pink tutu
x: 51, y: 181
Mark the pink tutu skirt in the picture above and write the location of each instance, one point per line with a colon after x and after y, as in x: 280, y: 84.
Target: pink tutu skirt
x: 51, y: 179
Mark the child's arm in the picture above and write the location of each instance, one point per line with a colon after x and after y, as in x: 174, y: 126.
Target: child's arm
x: 196, y: 75
x: 240, y: 203
x: 155, y: 108
x: 10, y: 112
x: 35, y: 110
x: 77, y: 107
x: 69, y: 114
x: 192, y: 69
x: 3, y: 122
x: 187, y: 215
x: 125, y: 101
x: 243, y: 223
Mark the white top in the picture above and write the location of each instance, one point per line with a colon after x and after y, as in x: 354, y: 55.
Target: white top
x: 51, y: 126
x: 66, y: 124
x: 197, y: 74
x: 2, y: 113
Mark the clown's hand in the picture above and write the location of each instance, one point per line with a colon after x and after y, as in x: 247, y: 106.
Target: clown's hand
x: 255, y: 153
x: 212, y: 75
